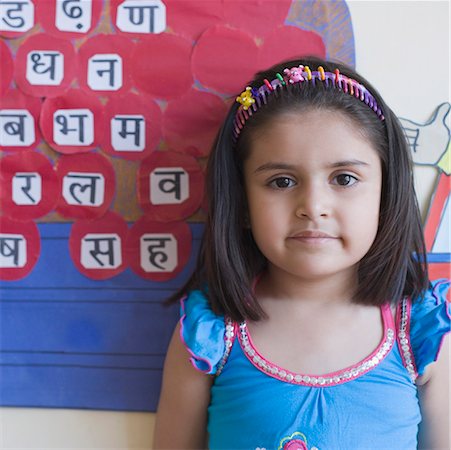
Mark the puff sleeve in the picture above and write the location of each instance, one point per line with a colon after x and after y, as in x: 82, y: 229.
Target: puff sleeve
x: 202, y: 332
x: 430, y: 321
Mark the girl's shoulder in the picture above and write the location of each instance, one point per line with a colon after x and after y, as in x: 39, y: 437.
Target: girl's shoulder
x: 426, y: 321
x: 204, y: 333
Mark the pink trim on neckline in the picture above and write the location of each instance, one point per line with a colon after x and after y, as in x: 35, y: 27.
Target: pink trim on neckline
x: 330, y: 379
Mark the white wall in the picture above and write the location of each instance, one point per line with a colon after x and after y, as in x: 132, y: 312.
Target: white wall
x: 403, y: 48
x: 46, y: 429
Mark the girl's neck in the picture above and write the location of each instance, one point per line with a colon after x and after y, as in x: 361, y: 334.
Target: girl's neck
x: 282, y: 286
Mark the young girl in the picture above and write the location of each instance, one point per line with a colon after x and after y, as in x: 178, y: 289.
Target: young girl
x: 309, y: 321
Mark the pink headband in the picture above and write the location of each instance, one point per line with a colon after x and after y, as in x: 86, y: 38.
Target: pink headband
x: 252, y: 98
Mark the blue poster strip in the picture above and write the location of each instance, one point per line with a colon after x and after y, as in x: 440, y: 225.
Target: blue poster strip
x: 71, y: 342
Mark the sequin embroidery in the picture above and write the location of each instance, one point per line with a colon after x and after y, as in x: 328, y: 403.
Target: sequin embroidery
x: 403, y: 339
x: 229, y: 337
x: 339, y: 377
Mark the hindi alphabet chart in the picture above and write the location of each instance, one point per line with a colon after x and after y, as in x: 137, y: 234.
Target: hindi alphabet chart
x: 108, y: 110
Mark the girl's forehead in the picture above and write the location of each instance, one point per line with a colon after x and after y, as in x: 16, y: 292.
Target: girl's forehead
x: 325, y: 132
x: 326, y: 121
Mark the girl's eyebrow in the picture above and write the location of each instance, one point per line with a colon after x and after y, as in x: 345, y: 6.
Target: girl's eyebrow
x: 274, y: 166
x: 348, y: 162
x: 284, y: 166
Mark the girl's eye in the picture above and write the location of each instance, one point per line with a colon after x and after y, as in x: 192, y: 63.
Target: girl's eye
x: 282, y: 183
x: 345, y: 179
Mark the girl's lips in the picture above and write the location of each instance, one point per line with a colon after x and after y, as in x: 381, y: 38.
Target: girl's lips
x: 313, y: 238
x: 311, y: 234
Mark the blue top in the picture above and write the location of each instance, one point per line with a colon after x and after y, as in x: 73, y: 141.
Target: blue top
x: 371, y: 405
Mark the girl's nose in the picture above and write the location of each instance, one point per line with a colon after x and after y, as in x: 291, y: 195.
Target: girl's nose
x: 312, y: 203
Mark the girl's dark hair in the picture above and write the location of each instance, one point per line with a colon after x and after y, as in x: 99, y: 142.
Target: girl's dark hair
x: 229, y: 260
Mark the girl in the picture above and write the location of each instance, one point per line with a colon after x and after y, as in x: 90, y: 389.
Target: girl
x: 309, y: 321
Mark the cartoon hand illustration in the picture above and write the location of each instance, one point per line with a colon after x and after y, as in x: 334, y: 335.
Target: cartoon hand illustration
x: 429, y: 141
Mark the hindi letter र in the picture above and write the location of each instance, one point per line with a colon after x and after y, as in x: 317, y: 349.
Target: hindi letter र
x: 27, y: 188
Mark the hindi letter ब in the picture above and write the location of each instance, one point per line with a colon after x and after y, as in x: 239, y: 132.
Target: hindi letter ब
x: 16, y: 128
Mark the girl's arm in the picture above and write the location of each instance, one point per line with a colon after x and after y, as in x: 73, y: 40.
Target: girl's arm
x: 434, y: 395
x: 181, y: 421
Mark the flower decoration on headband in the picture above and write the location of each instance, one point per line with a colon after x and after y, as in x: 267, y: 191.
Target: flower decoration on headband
x: 245, y: 98
x: 253, y: 98
x: 294, y: 74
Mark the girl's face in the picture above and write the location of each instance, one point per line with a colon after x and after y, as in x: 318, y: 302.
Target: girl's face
x: 313, y: 186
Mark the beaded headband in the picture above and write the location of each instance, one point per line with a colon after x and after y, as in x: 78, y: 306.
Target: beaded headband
x: 251, y: 99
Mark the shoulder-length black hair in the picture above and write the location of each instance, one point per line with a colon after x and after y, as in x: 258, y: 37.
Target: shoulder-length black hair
x: 229, y: 260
